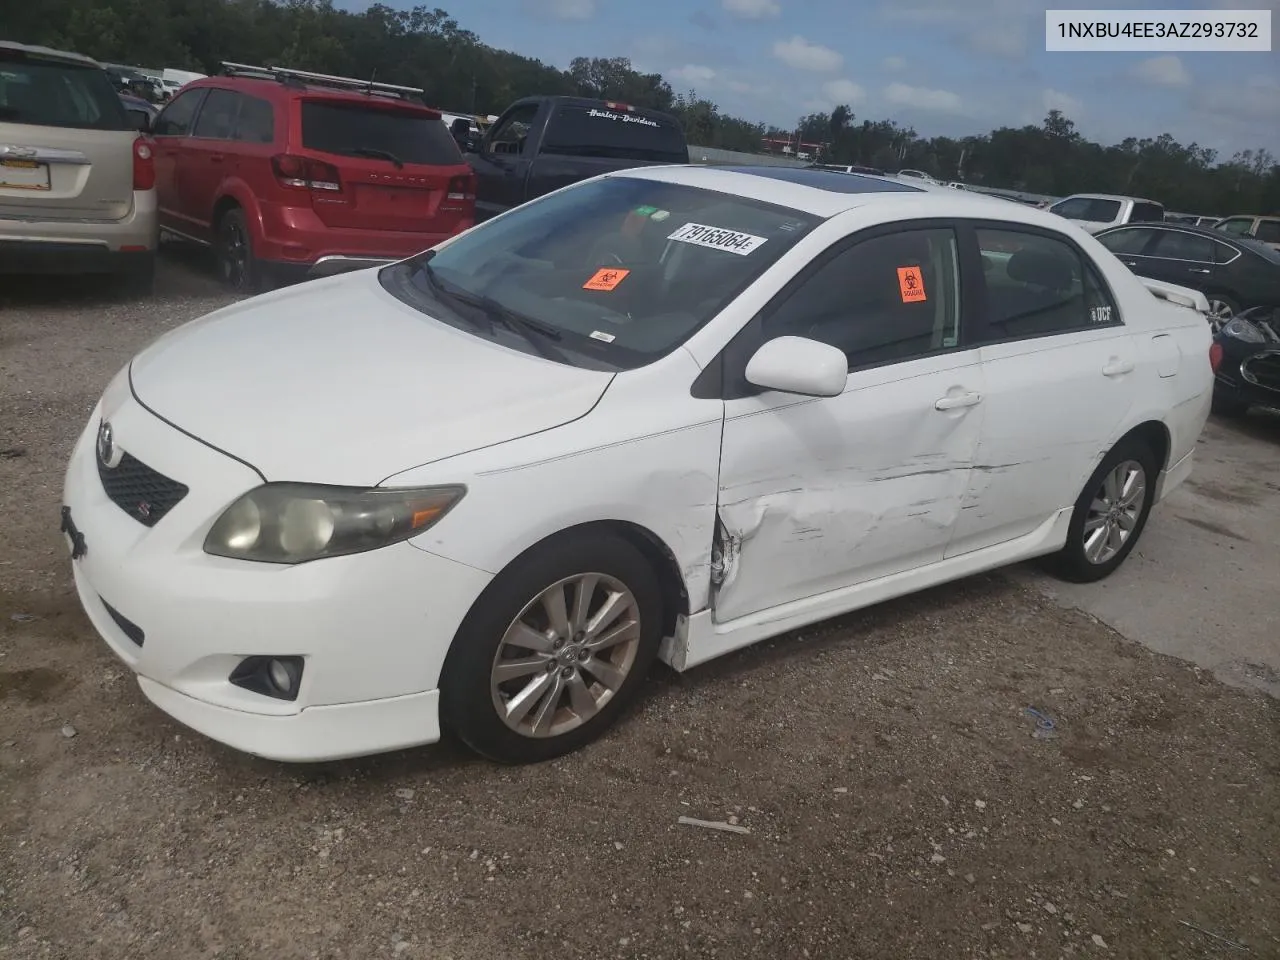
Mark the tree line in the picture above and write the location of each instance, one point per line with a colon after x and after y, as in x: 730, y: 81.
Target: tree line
x: 425, y: 47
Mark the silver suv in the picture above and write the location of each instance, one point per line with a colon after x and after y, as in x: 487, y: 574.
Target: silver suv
x: 77, y: 180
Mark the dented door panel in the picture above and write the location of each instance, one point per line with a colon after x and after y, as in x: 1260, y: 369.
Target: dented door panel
x: 818, y: 494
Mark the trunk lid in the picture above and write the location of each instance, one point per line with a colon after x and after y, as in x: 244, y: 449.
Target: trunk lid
x: 396, y: 166
x: 66, y: 147
x: 336, y: 381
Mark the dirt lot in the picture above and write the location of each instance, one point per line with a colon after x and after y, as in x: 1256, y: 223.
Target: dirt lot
x: 897, y: 801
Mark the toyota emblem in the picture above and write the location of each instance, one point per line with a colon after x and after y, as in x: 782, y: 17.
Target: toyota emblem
x: 106, y: 445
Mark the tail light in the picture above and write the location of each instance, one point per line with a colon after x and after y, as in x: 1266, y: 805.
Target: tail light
x: 305, y: 173
x: 144, y: 165
x: 619, y: 106
x: 1215, y: 356
x: 462, y: 187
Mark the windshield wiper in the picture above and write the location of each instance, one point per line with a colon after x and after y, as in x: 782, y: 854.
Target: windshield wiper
x: 531, y: 331
x: 380, y: 155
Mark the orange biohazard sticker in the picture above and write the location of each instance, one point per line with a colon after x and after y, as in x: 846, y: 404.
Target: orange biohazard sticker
x: 606, y: 278
x: 911, y: 285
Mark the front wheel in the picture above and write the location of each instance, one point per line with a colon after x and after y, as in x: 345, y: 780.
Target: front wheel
x: 553, y: 650
x: 1110, y: 513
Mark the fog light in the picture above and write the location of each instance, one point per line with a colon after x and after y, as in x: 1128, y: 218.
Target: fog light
x: 278, y: 677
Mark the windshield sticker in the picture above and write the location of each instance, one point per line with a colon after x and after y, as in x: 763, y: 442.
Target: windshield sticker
x: 659, y: 215
x: 623, y: 117
x: 911, y: 285
x: 646, y: 211
x: 606, y: 278
x: 717, y: 238
x: 601, y: 335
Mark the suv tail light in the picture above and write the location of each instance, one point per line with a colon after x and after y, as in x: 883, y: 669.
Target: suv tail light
x: 1215, y: 356
x: 462, y: 187
x: 305, y: 173
x: 144, y: 165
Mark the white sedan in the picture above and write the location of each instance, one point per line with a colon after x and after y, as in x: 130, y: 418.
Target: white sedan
x: 664, y: 413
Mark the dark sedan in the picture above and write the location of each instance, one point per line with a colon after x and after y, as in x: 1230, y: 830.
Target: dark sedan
x: 1249, y: 372
x: 1234, y: 273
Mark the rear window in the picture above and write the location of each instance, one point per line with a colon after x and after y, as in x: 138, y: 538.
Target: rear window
x: 596, y: 131
x: 1147, y: 213
x: 1094, y: 209
x: 49, y: 94
x: 358, y: 130
x: 1269, y: 231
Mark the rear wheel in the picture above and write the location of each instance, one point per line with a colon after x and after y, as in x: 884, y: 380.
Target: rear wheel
x: 553, y: 650
x: 1110, y: 514
x: 233, y: 247
x: 1221, y: 309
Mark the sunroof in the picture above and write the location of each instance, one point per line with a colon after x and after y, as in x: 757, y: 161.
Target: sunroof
x: 827, y: 179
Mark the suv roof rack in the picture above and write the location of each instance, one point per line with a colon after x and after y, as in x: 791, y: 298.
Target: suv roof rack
x: 285, y: 75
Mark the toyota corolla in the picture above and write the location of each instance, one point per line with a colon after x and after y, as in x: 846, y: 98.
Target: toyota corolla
x: 659, y: 414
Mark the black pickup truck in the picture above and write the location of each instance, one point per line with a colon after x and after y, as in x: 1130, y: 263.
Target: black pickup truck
x: 541, y: 144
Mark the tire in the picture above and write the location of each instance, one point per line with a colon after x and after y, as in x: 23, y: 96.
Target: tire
x: 238, y: 267
x: 1221, y: 309
x: 474, y: 700
x: 140, y: 280
x: 1225, y: 405
x: 1074, y: 561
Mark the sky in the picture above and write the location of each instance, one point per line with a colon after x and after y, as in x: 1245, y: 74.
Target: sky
x: 944, y: 68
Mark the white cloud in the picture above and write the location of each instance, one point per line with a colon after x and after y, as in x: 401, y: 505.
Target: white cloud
x: 572, y: 9
x: 843, y: 91
x: 752, y: 9
x: 1166, y: 71
x: 894, y: 63
x: 1007, y: 40
x: 923, y: 98
x: 1256, y: 101
x: 1001, y: 28
x: 799, y: 53
x: 692, y: 73
x: 1057, y: 100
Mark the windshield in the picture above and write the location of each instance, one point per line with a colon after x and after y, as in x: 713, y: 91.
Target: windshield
x: 618, y: 271
x: 354, y: 130
x: 587, y: 131
x: 49, y: 94
x: 1094, y: 209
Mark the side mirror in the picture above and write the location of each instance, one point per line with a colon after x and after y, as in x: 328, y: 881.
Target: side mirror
x: 799, y: 365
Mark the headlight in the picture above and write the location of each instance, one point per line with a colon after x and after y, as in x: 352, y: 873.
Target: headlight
x: 1242, y: 329
x: 296, y: 522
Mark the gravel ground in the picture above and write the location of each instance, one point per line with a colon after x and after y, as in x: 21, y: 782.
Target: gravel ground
x: 896, y: 799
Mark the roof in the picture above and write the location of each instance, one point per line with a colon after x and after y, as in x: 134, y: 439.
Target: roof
x: 48, y: 53
x: 267, y: 87
x: 1169, y: 225
x: 826, y: 193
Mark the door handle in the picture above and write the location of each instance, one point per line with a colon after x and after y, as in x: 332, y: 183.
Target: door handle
x: 955, y: 403
x: 1129, y: 263
x: 1198, y: 270
x: 217, y: 157
x: 1117, y: 367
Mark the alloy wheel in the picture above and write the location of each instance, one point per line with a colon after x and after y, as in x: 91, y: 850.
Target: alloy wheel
x: 1114, y: 512
x: 1219, y: 315
x: 566, y: 655
x: 234, y: 254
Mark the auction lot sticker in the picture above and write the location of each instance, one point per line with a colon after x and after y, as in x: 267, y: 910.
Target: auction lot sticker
x: 717, y: 238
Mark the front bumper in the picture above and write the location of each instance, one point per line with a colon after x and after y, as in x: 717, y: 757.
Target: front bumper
x: 372, y: 628
x: 1249, y: 377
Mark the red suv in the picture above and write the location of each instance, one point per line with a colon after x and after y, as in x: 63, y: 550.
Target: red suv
x: 289, y: 175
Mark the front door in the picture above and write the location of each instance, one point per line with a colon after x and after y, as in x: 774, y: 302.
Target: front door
x: 822, y: 493
x: 1058, y: 363
x: 171, y: 130
x: 503, y: 161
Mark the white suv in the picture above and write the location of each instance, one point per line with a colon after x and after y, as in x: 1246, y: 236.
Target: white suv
x: 77, y: 180
x: 1097, y: 211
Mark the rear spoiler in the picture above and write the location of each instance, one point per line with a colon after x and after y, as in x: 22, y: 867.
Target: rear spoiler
x: 1172, y: 293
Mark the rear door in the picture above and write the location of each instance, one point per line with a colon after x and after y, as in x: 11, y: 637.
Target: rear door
x: 1183, y: 258
x: 66, y: 146
x: 395, y: 164
x: 207, y: 157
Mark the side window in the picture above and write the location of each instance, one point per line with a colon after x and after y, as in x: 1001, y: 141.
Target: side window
x: 1236, y: 226
x: 509, y: 135
x: 217, y: 121
x: 1176, y: 245
x: 257, y: 122
x: 175, y: 119
x: 1147, y: 213
x: 1038, y: 286
x: 1132, y: 242
x: 1224, y: 252
x: 885, y: 299
x: 1268, y: 231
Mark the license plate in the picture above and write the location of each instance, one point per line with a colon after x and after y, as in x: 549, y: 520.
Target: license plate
x: 385, y: 200
x: 24, y: 174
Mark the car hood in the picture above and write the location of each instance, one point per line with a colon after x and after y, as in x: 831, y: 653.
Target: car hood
x: 336, y: 381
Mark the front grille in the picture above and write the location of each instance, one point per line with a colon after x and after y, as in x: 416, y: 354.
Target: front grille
x: 1263, y: 369
x: 127, y: 627
x: 142, y: 493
